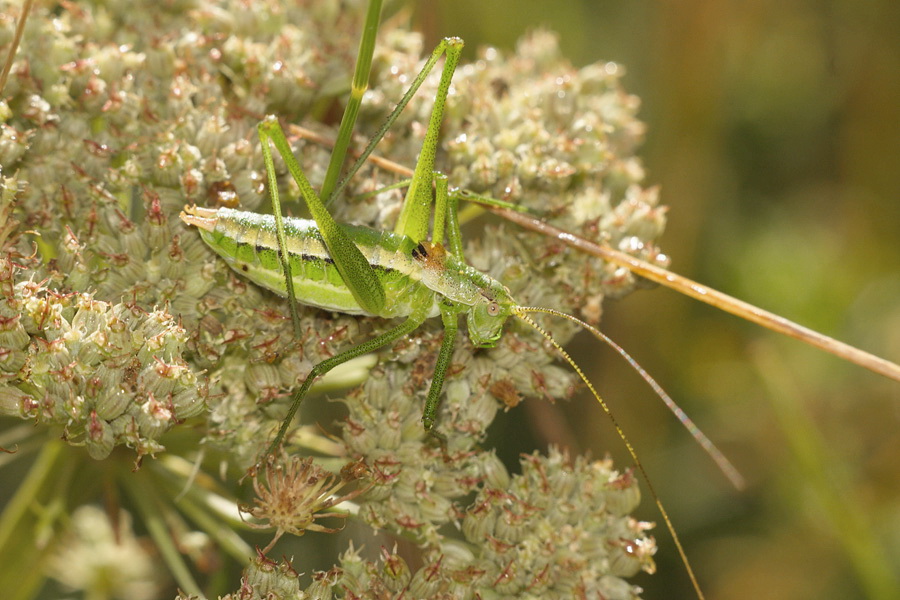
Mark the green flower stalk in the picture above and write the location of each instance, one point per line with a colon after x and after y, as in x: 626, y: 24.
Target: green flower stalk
x: 118, y: 327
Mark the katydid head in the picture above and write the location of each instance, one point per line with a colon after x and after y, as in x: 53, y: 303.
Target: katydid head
x: 487, y: 316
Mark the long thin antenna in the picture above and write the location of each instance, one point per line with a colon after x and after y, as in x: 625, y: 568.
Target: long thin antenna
x: 671, y: 280
x: 17, y: 38
x: 737, y: 480
x: 521, y: 313
x: 700, y: 292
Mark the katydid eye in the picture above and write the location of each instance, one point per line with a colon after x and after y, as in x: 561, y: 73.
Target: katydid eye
x: 493, y: 309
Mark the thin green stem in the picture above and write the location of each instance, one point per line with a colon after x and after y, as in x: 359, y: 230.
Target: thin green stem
x: 394, y: 186
x: 19, y: 579
x: 17, y: 38
x: 152, y: 509
x: 474, y: 198
x: 357, y: 90
x: 200, y: 505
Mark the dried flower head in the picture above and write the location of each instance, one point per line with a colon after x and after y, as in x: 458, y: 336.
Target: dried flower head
x: 293, y: 494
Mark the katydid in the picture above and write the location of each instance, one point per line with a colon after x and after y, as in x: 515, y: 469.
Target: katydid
x: 399, y: 274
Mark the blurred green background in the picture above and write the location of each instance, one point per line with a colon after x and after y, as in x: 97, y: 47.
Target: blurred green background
x: 774, y: 131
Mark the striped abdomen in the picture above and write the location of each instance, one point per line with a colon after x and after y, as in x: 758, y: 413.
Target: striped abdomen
x: 247, y: 242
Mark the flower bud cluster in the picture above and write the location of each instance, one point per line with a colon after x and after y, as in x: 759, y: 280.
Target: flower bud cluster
x: 266, y: 579
x: 114, y: 130
x: 108, y: 374
x: 415, y: 477
x: 559, y: 530
x: 269, y: 580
